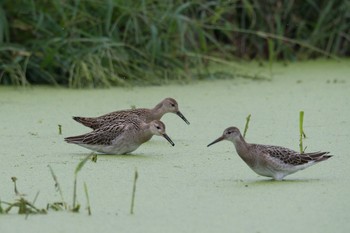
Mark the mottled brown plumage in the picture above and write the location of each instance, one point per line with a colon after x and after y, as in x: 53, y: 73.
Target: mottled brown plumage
x: 120, y: 137
x: 271, y: 161
x: 147, y: 115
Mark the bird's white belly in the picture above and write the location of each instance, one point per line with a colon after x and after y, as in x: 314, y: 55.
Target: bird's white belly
x: 279, y: 172
x: 119, y: 148
x: 263, y: 171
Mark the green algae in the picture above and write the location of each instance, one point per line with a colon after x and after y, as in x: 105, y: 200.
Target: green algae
x: 187, y: 188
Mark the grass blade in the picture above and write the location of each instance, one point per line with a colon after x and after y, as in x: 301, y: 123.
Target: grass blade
x: 133, y: 193
x: 301, y: 132
x: 82, y: 163
x: 246, y: 125
x: 60, y: 129
x: 75, y: 208
x: 57, y: 186
x: 87, y: 198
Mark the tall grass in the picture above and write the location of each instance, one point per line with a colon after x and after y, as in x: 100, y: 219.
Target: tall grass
x: 100, y: 43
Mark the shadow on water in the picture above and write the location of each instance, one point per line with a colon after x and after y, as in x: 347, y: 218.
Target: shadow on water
x: 125, y: 156
x: 276, y: 182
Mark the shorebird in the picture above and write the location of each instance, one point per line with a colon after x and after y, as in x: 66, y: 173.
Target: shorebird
x: 271, y: 161
x: 147, y: 115
x: 120, y: 137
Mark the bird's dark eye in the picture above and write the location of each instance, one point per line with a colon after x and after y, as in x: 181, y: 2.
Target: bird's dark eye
x: 173, y: 105
x: 228, y: 132
x: 158, y: 127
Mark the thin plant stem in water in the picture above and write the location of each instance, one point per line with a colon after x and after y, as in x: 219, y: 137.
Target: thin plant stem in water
x: 133, y: 193
x: 35, y: 198
x: 87, y: 198
x: 301, y: 132
x: 58, y: 186
x: 246, y: 125
x: 75, y: 207
x: 14, y: 179
x: 60, y: 129
x: 1, y: 209
x: 23, y: 205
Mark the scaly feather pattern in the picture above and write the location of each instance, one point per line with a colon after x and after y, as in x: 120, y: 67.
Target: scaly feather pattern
x: 271, y: 161
x: 168, y: 105
x: 120, y: 137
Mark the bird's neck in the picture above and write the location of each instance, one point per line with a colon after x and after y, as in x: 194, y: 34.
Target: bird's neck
x: 242, y: 148
x: 145, y: 133
x: 157, y: 112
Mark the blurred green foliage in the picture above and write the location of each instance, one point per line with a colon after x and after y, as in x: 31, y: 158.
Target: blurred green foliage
x: 101, y: 43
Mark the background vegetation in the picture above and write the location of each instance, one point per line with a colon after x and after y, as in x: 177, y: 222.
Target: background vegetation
x: 90, y: 43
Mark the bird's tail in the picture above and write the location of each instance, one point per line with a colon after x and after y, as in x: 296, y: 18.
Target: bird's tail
x: 87, y: 121
x: 319, y: 156
x: 74, y: 139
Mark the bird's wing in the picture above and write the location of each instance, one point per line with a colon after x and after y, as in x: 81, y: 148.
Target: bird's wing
x: 122, y: 114
x: 101, y: 136
x: 291, y: 157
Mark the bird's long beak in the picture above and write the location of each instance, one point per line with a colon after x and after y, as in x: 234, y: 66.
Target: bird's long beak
x: 182, y: 117
x: 169, y: 140
x: 217, y: 140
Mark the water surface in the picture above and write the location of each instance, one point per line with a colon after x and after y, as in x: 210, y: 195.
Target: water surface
x: 189, y: 187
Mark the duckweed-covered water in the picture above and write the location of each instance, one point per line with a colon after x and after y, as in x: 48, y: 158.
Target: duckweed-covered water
x: 189, y: 187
